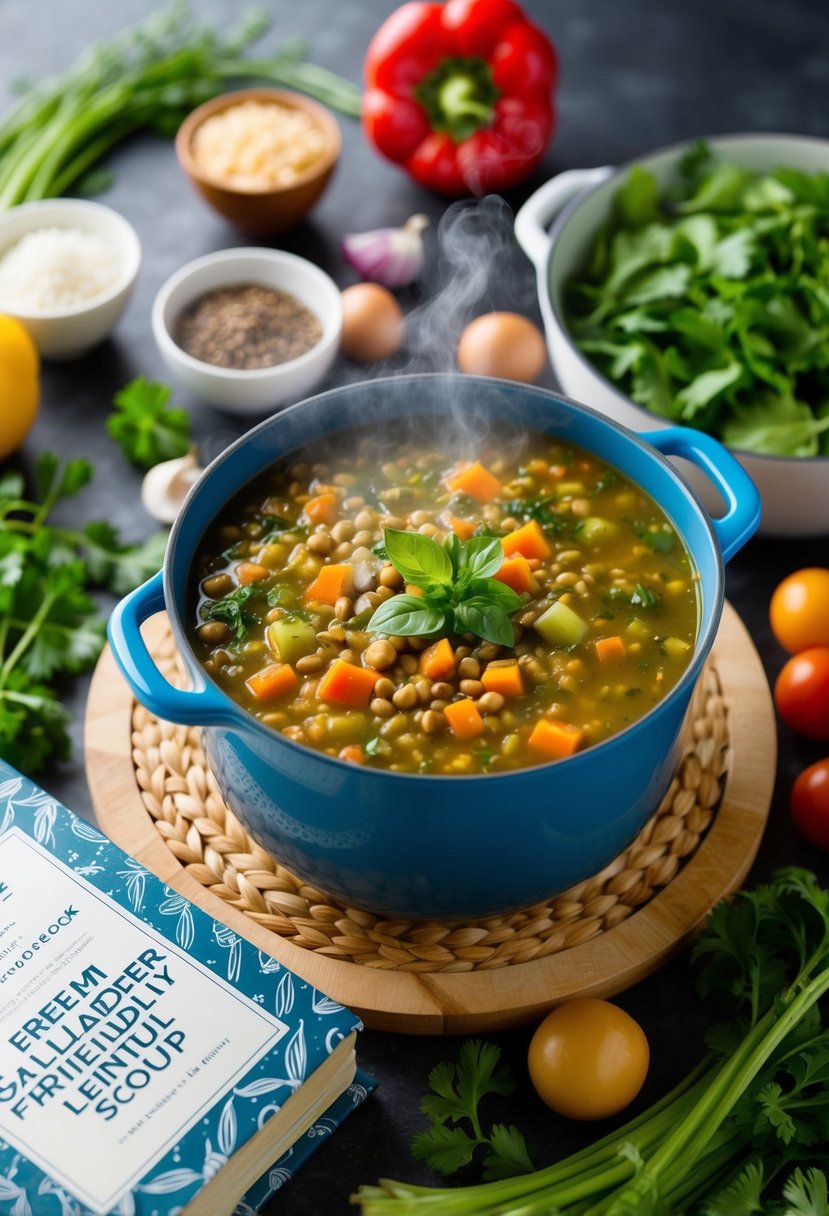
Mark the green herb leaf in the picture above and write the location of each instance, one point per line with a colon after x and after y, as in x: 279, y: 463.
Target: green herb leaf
x: 231, y: 609
x: 145, y: 429
x: 480, y: 616
x: 644, y: 597
x: 446, y: 1149
x: 481, y: 556
x: 419, y: 559
x: 807, y: 1194
x: 508, y: 1155
x: 117, y: 566
x: 743, y: 1196
x: 406, y: 616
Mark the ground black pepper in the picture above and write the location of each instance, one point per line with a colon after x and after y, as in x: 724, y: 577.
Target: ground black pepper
x: 247, y: 326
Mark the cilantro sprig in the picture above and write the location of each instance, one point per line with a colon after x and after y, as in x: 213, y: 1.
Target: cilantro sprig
x: 144, y: 427
x: 48, y: 620
x: 459, y: 593
x: 744, y: 1134
x: 457, y: 1090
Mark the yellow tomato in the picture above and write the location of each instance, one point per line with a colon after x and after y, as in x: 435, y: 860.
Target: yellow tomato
x: 19, y: 387
x: 799, y: 610
x: 588, y: 1059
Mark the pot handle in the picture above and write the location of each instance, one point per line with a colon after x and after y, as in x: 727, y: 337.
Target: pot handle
x: 532, y: 220
x: 742, y: 516
x: 203, y: 707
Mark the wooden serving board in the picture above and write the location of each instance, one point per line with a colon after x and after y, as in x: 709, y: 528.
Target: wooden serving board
x: 464, y: 997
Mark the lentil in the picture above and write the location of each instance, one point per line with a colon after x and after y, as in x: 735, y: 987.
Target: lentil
x: 561, y: 681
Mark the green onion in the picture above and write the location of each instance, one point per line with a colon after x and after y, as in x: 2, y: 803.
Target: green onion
x: 148, y: 76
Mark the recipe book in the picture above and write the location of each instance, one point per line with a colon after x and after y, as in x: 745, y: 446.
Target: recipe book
x: 152, y: 1062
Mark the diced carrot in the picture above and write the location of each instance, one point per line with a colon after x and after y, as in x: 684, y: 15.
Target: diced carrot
x: 516, y: 573
x: 463, y: 528
x: 503, y: 676
x: 438, y: 660
x: 464, y: 719
x: 352, y: 752
x: 529, y: 540
x: 610, y: 650
x: 345, y: 684
x: 330, y: 584
x: 554, y: 739
x: 476, y: 481
x: 272, y: 682
x: 251, y: 572
x: 412, y: 589
x: 323, y: 509
x: 558, y: 470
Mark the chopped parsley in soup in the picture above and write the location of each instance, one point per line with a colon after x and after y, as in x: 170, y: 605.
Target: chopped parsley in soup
x: 400, y: 609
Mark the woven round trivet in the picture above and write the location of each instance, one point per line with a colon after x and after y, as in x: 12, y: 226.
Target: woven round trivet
x: 174, y: 797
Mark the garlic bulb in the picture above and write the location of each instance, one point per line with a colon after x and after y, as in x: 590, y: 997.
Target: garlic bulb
x: 165, y: 486
x: 392, y: 257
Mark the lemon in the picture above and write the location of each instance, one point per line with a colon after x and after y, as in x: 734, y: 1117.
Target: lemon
x: 19, y: 385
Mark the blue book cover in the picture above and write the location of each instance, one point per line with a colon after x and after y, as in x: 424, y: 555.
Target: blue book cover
x: 142, y: 1043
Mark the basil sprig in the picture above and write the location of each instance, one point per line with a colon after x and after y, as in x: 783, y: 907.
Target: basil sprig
x: 459, y: 593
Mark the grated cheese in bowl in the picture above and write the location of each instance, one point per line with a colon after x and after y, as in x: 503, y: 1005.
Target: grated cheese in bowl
x: 56, y: 268
x: 256, y: 145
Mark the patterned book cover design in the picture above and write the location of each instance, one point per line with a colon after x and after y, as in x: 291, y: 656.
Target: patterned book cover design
x: 210, y: 985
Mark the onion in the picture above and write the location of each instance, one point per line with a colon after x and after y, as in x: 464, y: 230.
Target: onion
x: 390, y: 256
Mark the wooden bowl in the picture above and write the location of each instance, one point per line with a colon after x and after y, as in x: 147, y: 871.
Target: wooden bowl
x: 268, y: 210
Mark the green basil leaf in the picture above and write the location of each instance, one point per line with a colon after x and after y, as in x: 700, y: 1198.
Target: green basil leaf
x: 499, y: 594
x: 453, y: 547
x: 418, y: 558
x: 482, y: 555
x: 480, y: 616
x: 406, y: 616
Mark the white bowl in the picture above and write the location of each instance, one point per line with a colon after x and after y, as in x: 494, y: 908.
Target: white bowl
x: 794, y: 490
x: 64, y: 333
x: 258, y: 390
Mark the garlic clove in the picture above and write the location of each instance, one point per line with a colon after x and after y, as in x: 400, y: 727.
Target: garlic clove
x: 166, y: 486
x: 392, y: 257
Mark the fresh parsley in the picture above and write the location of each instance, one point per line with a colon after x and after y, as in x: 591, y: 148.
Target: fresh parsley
x: 459, y: 593
x: 453, y: 1109
x: 144, y: 427
x: 49, y: 625
x: 706, y: 302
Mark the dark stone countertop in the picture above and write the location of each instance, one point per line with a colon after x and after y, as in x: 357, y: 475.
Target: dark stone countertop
x: 634, y: 76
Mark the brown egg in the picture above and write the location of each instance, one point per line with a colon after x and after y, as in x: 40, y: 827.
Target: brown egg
x: 372, y: 323
x: 502, y: 344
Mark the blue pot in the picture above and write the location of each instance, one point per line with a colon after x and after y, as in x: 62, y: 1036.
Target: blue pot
x: 417, y: 845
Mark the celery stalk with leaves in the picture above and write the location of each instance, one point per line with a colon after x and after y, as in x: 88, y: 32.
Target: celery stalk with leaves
x: 149, y: 76
x: 746, y: 1133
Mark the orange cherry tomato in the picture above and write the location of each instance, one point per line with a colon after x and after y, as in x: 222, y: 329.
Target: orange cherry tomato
x: 588, y: 1059
x: 801, y: 693
x: 809, y: 804
x: 799, y: 610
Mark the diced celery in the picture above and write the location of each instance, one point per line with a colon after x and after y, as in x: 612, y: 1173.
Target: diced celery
x: 675, y: 647
x: 638, y: 629
x: 569, y: 489
x: 595, y: 531
x: 290, y: 638
x: 561, y: 626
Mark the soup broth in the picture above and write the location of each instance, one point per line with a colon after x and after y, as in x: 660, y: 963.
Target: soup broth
x: 288, y: 577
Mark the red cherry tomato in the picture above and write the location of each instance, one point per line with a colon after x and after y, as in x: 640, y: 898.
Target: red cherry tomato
x: 799, y: 610
x: 809, y: 804
x: 801, y: 693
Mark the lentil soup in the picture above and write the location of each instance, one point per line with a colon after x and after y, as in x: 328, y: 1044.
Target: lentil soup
x: 583, y: 570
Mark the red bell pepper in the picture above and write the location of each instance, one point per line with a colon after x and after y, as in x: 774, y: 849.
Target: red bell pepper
x: 460, y: 94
